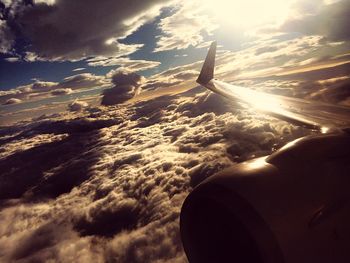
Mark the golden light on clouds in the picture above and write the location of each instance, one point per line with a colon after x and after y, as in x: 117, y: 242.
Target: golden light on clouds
x: 48, y: 2
x: 311, y: 68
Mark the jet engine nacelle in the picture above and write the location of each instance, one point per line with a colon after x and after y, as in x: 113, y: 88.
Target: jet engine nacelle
x: 292, y: 206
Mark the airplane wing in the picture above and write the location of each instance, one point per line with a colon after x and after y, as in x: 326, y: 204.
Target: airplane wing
x: 291, y: 206
x: 310, y: 114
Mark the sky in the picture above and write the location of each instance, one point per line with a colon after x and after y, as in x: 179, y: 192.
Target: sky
x: 104, y: 131
x: 45, y: 42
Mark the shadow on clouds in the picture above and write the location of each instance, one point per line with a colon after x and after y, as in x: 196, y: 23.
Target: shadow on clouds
x: 53, y: 168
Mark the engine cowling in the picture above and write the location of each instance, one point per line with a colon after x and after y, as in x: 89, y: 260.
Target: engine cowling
x: 293, y: 206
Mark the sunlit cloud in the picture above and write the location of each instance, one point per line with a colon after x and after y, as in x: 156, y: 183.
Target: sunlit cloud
x: 185, y: 27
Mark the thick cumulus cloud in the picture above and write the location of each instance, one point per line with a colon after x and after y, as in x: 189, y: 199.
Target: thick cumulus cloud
x: 65, y: 32
x: 107, y: 186
x: 126, y: 86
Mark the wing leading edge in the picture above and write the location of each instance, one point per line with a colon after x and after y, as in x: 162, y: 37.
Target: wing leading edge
x: 310, y: 114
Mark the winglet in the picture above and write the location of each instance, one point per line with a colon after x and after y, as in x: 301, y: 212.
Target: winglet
x: 207, y: 72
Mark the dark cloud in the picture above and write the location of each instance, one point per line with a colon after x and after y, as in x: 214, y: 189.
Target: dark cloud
x: 126, y: 86
x: 330, y: 21
x: 81, y: 29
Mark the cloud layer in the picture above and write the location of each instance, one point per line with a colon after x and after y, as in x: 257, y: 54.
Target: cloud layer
x: 42, y: 89
x: 108, y: 184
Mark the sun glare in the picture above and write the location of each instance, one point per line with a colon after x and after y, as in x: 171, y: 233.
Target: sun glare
x: 248, y: 13
x: 260, y: 101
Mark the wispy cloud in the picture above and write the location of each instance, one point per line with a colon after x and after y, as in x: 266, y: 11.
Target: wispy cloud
x: 185, y: 27
x: 78, y: 69
x: 124, y: 62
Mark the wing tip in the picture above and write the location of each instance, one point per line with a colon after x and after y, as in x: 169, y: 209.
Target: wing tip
x: 207, y: 71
